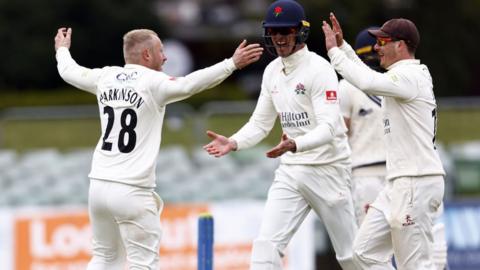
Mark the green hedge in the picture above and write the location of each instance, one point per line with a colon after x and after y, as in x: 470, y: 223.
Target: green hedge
x: 71, y: 96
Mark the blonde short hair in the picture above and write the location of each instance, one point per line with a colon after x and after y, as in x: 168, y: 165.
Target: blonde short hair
x: 134, y: 42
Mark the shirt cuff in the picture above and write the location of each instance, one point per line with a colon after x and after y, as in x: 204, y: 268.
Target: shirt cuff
x: 62, y: 52
x: 333, y: 51
x: 301, y: 145
x: 344, y: 46
x: 237, y: 140
x: 230, y: 65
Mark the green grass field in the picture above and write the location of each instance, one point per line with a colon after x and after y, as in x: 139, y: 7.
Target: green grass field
x: 453, y: 127
x: 67, y: 134
x: 458, y: 126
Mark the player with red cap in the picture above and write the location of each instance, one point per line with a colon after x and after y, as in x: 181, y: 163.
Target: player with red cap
x: 401, y: 219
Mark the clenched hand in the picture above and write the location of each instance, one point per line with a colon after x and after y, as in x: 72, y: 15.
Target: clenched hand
x: 63, y: 38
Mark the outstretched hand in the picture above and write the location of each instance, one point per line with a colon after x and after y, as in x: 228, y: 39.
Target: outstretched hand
x: 246, y: 54
x: 63, y: 38
x: 334, y: 34
x: 286, y: 144
x: 220, y: 145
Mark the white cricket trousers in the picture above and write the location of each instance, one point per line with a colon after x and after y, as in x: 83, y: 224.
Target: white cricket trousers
x: 400, y: 222
x: 367, y: 184
x: 295, y: 190
x: 125, y: 222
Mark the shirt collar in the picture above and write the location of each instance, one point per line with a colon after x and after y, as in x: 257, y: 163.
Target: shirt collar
x: 292, y: 61
x: 134, y: 66
x: 404, y: 62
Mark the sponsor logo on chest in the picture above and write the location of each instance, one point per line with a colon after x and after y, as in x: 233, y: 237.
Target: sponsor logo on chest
x: 331, y: 95
x: 120, y: 92
x: 294, y: 119
x: 125, y: 77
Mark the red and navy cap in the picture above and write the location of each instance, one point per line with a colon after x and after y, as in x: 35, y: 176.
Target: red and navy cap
x: 402, y: 29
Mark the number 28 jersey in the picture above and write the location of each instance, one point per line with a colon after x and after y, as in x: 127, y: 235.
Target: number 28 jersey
x: 131, y: 126
x: 131, y: 101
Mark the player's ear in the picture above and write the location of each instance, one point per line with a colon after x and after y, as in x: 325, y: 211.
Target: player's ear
x: 146, y: 55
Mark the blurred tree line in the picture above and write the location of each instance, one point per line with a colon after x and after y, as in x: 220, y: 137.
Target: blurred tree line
x: 449, y: 36
x: 449, y: 30
x: 28, y: 27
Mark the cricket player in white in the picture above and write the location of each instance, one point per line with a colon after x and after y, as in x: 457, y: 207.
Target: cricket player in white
x: 401, y: 218
x: 300, y: 88
x: 363, y: 116
x: 124, y: 210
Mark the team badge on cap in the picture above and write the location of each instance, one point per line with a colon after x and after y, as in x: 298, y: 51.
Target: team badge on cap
x: 277, y: 11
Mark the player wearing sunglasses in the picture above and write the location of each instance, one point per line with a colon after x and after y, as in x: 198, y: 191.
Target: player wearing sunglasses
x: 401, y: 219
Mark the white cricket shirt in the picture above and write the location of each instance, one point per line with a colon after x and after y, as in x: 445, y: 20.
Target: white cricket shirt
x: 409, y: 108
x: 301, y: 91
x: 365, y: 134
x: 131, y: 101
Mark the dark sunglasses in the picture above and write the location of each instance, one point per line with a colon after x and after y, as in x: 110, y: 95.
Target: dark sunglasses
x: 281, y: 30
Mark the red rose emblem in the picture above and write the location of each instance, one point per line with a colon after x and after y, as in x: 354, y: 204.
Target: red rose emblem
x: 277, y: 11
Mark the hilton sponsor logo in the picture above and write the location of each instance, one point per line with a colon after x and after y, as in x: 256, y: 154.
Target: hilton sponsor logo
x: 290, y: 119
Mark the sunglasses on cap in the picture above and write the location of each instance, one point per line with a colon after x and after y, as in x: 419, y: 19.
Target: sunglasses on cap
x: 384, y: 41
x: 281, y: 30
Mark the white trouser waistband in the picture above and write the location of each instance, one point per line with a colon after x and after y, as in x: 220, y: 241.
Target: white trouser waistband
x: 375, y: 170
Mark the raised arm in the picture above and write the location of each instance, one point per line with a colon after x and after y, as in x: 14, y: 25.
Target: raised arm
x: 175, y: 89
x: 74, y: 74
x: 340, y: 41
x: 358, y: 73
